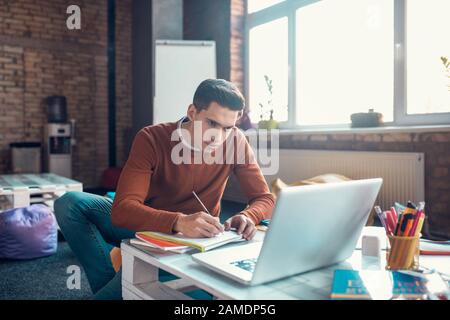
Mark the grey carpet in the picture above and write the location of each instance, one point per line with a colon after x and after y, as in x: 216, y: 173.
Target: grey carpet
x: 43, y: 278
x: 46, y: 278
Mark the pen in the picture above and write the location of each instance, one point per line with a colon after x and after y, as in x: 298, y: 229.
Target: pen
x: 379, y: 213
x: 390, y: 221
x: 420, y: 216
x: 406, y: 218
x: 399, y: 222
x: 419, y: 225
x: 408, y: 227
x: 408, y: 213
x: 200, y: 201
x: 394, y: 214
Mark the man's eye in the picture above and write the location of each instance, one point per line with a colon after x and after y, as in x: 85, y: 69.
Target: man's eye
x: 211, y: 123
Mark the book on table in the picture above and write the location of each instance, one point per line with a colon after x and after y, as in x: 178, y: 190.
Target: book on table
x: 162, y: 245
x: 202, y: 244
x: 385, y: 285
x: 438, y: 248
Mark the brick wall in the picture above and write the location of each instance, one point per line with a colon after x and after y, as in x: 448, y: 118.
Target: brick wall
x: 237, y: 44
x: 123, y: 79
x: 39, y: 57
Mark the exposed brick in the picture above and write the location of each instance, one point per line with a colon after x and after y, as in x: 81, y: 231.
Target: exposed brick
x: 444, y: 159
x: 12, y: 49
x: 343, y: 137
x: 441, y: 137
x: 237, y: 43
x: 440, y: 172
x: 397, y: 137
x: 300, y: 137
x: 318, y: 137
x: 32, y: 69
x: 368, y: 137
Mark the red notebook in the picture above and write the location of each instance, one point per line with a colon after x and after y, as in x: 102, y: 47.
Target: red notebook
x: 160, y: 244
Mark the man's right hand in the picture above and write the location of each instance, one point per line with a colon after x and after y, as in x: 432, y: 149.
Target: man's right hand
x: 198, y: 225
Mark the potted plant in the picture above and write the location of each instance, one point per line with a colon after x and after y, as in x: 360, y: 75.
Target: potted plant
x: 270, y: 123
x: 446, y: 63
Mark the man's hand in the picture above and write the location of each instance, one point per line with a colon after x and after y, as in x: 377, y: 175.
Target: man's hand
x: 243, y: 226
x: 198, y: 225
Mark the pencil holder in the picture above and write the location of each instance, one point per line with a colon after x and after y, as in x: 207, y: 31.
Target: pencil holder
x: 402, y: 253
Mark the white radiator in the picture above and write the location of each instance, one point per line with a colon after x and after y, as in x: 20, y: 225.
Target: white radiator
x: 402, y: 173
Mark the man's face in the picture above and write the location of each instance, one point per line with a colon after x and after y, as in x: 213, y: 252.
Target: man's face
x: 216, y: 123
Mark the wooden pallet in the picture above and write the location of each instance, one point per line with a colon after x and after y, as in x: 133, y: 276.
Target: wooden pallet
x: 25, y: 189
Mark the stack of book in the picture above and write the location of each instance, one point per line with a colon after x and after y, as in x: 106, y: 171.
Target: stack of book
x: 149, y: 242
x: 178, y: 243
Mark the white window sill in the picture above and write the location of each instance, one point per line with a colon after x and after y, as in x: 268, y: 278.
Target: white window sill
x: 373, y: 130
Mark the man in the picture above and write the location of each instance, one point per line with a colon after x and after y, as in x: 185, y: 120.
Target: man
x: 167, y: 162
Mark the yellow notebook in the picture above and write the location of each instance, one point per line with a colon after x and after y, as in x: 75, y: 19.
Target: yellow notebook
x: 202, y: 244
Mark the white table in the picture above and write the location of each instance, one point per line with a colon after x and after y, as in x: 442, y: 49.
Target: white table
x: 140, y: 277
x: 44, y: 187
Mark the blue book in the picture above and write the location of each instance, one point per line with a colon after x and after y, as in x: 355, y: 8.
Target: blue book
x: 377, y: 284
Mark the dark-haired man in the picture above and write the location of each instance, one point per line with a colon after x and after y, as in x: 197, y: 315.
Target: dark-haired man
x: 155, y: 188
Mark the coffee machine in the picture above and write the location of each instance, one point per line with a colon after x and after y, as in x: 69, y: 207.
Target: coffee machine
x: 58, y: 138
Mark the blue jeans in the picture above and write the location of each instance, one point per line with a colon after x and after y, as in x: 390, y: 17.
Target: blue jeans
x: 85, y: 222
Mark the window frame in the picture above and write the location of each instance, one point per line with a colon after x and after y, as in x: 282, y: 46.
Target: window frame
x: 288, y: 9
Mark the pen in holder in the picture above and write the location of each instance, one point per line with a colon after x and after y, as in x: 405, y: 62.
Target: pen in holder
x: 402, y: 253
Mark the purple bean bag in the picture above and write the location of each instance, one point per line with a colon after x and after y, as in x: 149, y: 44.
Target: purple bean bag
x: 27, y: 233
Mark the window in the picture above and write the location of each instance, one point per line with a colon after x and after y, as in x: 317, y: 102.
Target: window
x: 427, y: 40
x: 345, y: 61
x: 328, y: 59
x: 269, y: 67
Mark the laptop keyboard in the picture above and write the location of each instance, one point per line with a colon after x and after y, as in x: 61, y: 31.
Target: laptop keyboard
x: 246, y: 264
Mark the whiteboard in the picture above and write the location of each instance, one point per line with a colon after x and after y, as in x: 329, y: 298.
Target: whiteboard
x: 180, y: 66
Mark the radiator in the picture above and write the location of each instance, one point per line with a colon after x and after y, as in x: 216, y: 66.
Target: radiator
x: 402, y: 173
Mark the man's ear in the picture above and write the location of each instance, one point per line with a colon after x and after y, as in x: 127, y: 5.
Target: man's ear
x: 240, y: 114
x: 191, y: 112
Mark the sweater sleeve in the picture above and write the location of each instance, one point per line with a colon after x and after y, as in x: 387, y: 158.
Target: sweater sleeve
x: 128, y: 209
x: 260, y: 200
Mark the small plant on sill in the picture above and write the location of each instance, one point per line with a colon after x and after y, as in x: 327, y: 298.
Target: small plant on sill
x: 270, y: 123
x: 446, y: 63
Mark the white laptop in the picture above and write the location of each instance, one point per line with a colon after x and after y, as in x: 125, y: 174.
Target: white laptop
x: 312, y: 227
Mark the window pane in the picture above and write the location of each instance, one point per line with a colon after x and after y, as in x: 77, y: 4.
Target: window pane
x: 256, y: 5
x: 345, y: 61
x: 268, y: 56
x: 428, y: 39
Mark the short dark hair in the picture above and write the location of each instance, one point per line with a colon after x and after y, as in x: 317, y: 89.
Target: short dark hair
x: 221, y: 91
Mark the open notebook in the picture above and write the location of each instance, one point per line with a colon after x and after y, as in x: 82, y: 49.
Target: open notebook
x: 202, y: 244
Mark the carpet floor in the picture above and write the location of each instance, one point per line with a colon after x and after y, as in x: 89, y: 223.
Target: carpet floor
x: 46, y: 278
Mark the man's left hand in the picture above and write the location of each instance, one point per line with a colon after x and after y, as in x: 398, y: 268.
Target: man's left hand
x: 243, y: 226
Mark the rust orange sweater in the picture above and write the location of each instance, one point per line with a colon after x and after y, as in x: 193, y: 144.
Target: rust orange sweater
x: 153, y: 191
